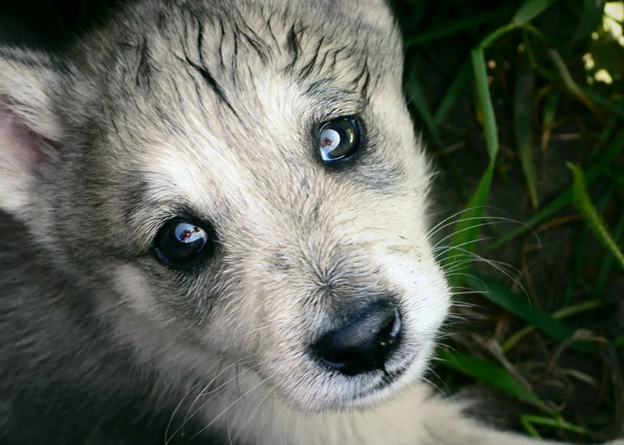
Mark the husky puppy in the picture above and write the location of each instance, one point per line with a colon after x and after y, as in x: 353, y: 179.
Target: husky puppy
x: 214, y: 227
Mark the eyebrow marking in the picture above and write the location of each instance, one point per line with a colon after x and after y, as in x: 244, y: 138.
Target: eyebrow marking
x: 212, y: 83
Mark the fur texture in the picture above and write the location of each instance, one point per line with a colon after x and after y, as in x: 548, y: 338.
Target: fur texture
x: 211, y: 110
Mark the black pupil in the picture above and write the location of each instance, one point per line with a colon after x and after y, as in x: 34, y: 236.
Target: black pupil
x: 181, y: 241
x: 339, y: 139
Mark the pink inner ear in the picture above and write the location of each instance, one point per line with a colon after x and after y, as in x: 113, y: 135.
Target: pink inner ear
x: 19, y: 146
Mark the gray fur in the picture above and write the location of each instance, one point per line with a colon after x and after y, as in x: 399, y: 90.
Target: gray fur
x: 208, y: 108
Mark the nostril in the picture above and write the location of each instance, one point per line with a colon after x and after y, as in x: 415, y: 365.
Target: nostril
x: 390, y: 329
x: 364, y: 342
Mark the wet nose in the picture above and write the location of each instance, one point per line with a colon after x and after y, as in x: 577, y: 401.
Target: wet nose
x: 363, y: 342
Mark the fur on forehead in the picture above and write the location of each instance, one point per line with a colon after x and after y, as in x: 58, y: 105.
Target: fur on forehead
x: 339, y: 52
x: 203, y: 70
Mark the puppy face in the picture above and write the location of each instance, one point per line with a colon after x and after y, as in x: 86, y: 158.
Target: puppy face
x: 245, y: 180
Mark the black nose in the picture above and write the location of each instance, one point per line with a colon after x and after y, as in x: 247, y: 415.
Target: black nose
x: 363, y: 342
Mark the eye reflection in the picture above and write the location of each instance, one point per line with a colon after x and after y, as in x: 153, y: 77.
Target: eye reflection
x: 339, y: 139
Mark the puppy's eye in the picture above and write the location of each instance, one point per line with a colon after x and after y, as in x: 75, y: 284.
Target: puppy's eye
x: 339, y: 139
x: 180, y: 242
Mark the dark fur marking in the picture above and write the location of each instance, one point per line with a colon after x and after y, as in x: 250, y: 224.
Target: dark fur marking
x: 309, y: 67
x: 235, y: 46
x: 335, y: 56
x: 200, y: 42
x: 221, y: 41
x: 161, y: 20
x: 362, y: 73
x: 134, y: 198
x: 270, y: 28
x: 257, y: 43
x: 365, y: 74
x: 210, y: 80
x: 323, y: 60
x: 144, y: 68
x: 376, y: 175
x: 365, y: 88
x: 257, y: 47
x: 185, y: 36
x: 377, y: 79
x: 178, y: 94
x: 321, y: 86
x: 197, y: 89
x: 292, y: 43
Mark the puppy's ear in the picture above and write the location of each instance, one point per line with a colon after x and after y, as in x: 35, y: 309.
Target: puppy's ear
x: 29, y: 129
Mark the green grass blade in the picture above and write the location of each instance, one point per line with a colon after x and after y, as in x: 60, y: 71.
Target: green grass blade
x: 494, y: 375
x: 554, y: 423
x: 524, y: 90
x: 615, y: 108
x: 603, y: 137
x: 455, y: 90
x: 605, y: 268
x: 455, y: 26
x: 467, y: 229
x: 529, y: 10
x: 485, y: 102
x: 546, y: 212
x: 593, y: 10
x: 491, y: 38
x: 520, y: 306
x: 551, y: 106
x: 585, y: 206
x: 570, y: 83
x: 416, y: 96
x: 567, y: 311
x: 598, y: 166
x: 528, y: 426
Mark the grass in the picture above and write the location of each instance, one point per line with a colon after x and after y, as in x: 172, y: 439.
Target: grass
x: 508, y: 97
x: 519, y: 82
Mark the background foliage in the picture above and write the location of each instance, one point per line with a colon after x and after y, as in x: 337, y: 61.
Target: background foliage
x: 521, y: 107
x: 521, y: 104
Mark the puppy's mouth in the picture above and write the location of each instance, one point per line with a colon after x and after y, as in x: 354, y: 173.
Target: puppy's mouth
x: 366, y: 395
x: 391, y: 377
x: 388, y: 379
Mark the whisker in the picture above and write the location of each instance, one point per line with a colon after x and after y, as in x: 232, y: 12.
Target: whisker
x: 240, y: 430
x: 466, y: 229
x: 498, y: 265
x: 254, y: 388
x: 215, y: 393
x: 179, y: 405
x: 445, y: 220
x: 448, y: 221
x: 441, y: 250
